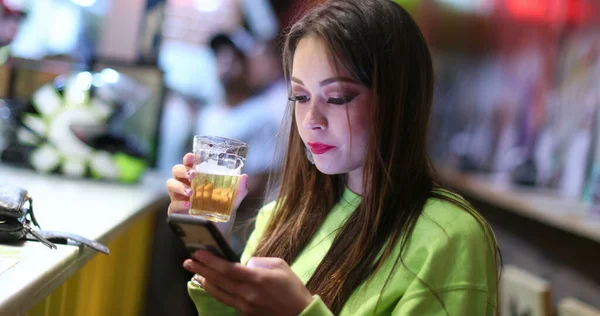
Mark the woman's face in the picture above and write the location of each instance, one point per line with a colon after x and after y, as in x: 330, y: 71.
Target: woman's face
x: 332, y: 109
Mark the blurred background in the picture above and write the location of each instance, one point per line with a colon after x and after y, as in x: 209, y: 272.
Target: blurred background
x: 110, y: 90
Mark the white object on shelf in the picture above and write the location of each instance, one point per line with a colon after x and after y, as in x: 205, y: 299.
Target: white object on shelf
x: 572, y: 307
x: 523, y: 293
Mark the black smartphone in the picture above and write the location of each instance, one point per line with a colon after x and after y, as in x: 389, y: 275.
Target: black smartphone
x: 200, y: 234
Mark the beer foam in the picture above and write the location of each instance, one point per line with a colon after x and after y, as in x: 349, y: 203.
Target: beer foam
x: 211, y: 167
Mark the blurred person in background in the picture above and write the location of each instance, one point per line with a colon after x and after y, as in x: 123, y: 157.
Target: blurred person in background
x: 10, y: 18
x: 254, y: 103
x: 266, y: 76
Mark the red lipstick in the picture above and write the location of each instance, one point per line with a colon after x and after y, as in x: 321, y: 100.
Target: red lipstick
x: 318, y: 148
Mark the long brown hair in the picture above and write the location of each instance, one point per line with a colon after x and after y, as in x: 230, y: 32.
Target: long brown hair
x: 381, y: 46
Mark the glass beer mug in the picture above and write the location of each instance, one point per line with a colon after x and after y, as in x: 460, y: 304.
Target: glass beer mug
x: 218, y: 164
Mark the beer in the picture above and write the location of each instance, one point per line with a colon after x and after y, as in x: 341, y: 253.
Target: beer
x: 218, y: 163
x: 213, y: 195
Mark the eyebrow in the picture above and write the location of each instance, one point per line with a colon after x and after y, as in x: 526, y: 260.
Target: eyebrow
x: 328, y: 81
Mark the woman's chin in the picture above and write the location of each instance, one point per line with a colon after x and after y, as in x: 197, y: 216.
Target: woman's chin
x: 328, y: 168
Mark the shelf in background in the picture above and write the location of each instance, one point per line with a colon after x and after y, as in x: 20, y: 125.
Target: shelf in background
x: 544, y: 206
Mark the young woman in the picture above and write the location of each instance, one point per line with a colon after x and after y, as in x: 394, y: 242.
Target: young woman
x: 359, y: 226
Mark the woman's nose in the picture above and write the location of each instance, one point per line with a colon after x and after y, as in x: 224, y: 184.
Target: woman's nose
x: 314, y: 119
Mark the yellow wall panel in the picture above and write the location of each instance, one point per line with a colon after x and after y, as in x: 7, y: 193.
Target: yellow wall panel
x: 107, y: 285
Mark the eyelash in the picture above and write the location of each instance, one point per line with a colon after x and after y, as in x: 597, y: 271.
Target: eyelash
x: 299, y: 98
x: 337, y: 101
x: 340, y: 101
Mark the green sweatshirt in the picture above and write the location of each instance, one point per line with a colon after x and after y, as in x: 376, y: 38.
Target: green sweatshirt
x: 448, y: 252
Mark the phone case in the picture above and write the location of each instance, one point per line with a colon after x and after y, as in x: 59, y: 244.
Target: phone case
x: 198, y: 233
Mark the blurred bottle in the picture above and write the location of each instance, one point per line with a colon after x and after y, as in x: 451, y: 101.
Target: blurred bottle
x: 4, y: 114
x: 7, y: 123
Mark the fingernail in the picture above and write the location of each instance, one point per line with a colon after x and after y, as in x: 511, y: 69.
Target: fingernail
x: 191, y: 173
x: 187, y: 204
x: 187, y: 264
x: 188, y: 191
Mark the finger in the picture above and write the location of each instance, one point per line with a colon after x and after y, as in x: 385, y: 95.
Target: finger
x: 183, y: 173
x: 226, y: 298
x: 214, y: 290
x: 223, y: 281
x: 188, y: 160
x: 182, y: 207
x: 178, y: 190
x: 233, y: 270
x: 246, y: 291
x: 242, y: 191
x: 259, y: 312
x: 267, y: 263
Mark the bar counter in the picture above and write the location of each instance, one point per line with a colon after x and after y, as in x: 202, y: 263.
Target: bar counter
x: 75, y: 280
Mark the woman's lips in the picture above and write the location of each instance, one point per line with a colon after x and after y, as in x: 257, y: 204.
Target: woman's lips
x: 318, y: 148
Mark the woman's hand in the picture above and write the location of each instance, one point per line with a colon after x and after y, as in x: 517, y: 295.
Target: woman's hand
x: 180, y: 191
x: 266, y: 286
